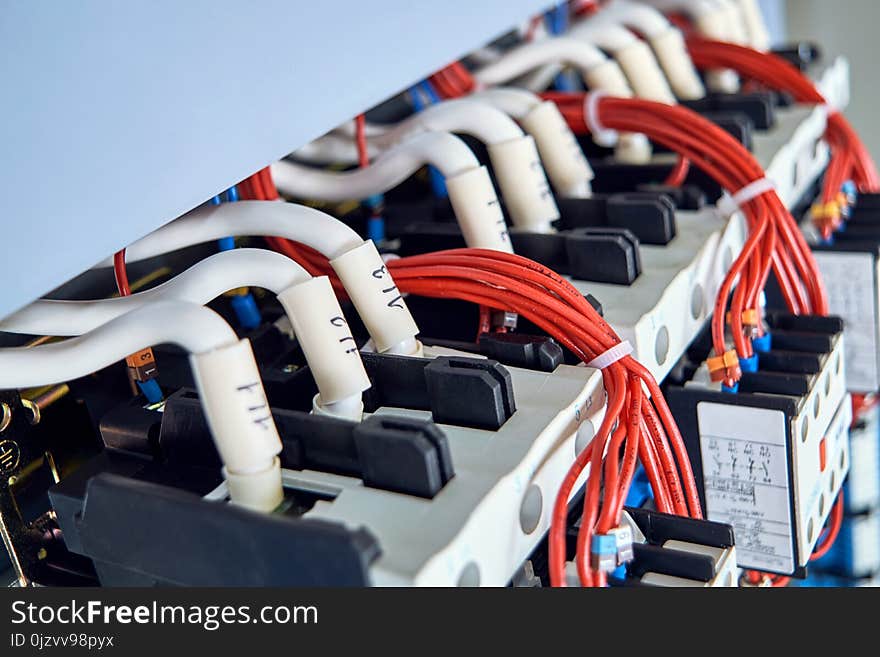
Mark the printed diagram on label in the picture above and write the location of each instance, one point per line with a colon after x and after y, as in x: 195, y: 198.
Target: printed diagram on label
x: 745, y: 477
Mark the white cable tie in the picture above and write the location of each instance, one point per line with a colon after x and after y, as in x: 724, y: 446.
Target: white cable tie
x: 728, y: 204
x: 611, y: 356
x: 601, y: 135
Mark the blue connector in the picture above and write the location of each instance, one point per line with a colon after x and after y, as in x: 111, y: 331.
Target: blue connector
x: 557, y: 23
x: 762, y: 344
x: 603, y: 552
x: 376, y: 229
x: 749, y: 364
x: 245, y: 306
x: 376, y: 222
x: 730, y: 389
x: 438, y: 184
x: 246, y: 310
x: 640, y: 489
x: 851, y: 192
x: 151, y: 390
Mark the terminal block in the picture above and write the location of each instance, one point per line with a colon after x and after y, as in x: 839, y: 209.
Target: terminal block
x: 675, y: 551
x: 770, y: 460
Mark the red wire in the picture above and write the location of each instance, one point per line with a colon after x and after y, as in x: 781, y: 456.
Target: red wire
x: 679, y: 172
x: 835, y: 522
x: 121, y: 274
x: 360, y: 124
x: 724, y: 159
x: 645, y: 427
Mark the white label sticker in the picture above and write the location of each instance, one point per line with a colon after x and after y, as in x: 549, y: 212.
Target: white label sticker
x: 745, y: 477
x: 849, y: 280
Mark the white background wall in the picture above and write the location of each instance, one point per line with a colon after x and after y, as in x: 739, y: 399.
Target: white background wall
x: 850, y: 28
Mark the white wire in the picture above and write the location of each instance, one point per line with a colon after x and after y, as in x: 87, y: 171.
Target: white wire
x: 470, y: 117
x: 194, y: 328
x: 316, y: 229
x: 643, y: 18
x: 538, y: 80
x: 446, y: 152
x: 204, y: 281
x: 635, y: 57
x: 514, y: 102
x: 333, y: 148
x: 522, y: 59
x: 669, y: 48
x: 603, y: 33
x: 483, y: 121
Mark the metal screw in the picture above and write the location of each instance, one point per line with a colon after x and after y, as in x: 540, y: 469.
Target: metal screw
x: 290, y: 368
x: 6, y: 419
x: 34, y: 409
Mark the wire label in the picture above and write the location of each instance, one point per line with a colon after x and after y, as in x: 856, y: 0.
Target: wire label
x: 745, y: 478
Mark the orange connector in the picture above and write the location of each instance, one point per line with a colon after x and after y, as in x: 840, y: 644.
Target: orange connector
x: 826, y: 217
x: 749, y: 317
x: 724, y: 368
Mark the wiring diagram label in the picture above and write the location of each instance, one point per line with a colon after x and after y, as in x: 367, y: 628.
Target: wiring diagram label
x: 850, y: 283
x: 745, y: 476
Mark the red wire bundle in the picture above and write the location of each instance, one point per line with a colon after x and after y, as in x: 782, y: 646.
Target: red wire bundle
x: 637, y: 420
x: 850, y: 158
x: 774, y: 243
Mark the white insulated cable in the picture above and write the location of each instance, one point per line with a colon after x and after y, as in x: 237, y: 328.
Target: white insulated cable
x: 312, y: 227
x: 567, y: 168
x: 514, y: 155
x: 204, y: 281
x: 470, y: 188
x: 333, y: 148
x: 513, y: 101
x: 714, y: 19
x: 599, y: 73
x: 633, y: 55
x: 323, y: 335
x: 463, y: 116
x: 356, y: 262
x: 447, y: 153
x: 756, y: 27
x: 187, y: 325
x: 226, y: 377
x: 664, y: 38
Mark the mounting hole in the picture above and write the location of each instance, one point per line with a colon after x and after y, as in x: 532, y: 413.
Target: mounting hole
x: 822, y: 504
x: 661, y: 345
x: 805, y: 429
x: 726, y: 259
x: 584, y: 435
x: 842, y: 460
x: 470, y: 576
x: 697, y: 301
x: 816, y: 407
x: 838, y: 364
x: 827, y: 384
x: 530, y: 510
x: 810, y: 529
x: 832, y: 483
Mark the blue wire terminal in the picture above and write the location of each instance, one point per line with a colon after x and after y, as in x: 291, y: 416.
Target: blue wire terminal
x: 749, y: 364
x: 557, y: 23
x: 247, y: 312
x: 763, y: 343
x: 438, y: 184
x: 151, y: 390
